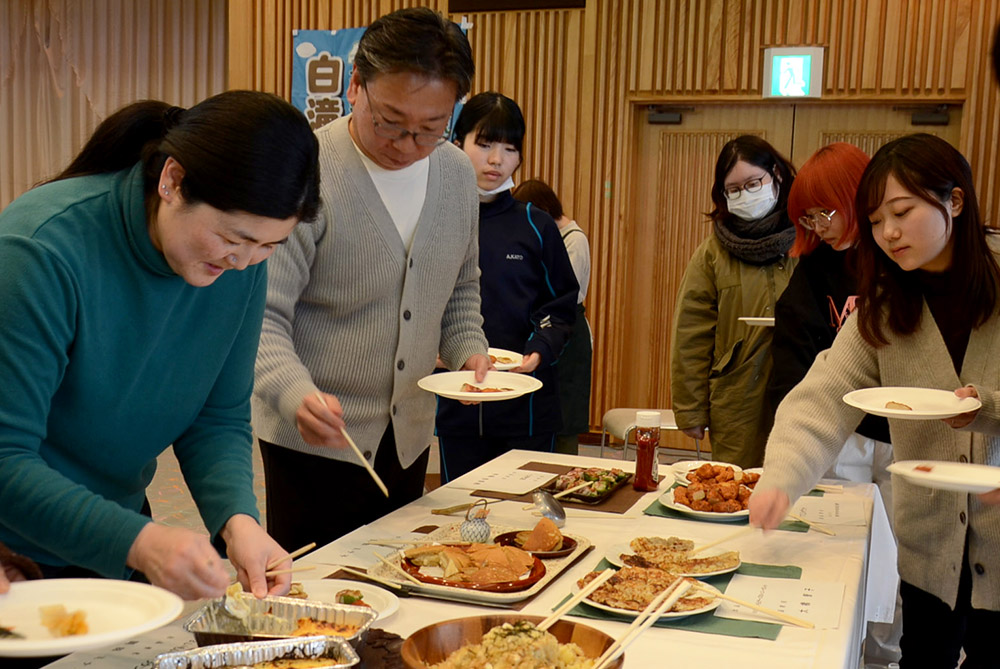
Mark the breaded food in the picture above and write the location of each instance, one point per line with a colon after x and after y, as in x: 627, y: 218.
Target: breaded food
x: 545, y: 537
x: 633, y: 588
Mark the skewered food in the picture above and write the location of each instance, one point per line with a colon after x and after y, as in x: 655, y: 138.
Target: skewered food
x: 633, y: 588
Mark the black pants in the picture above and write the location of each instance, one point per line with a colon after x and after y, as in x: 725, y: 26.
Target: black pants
x: 311, y: 498
x: 460, y: 455
x: 933, y: 633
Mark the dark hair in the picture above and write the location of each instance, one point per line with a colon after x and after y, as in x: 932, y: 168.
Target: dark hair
x: 538, y: 193
x: 930, y: 168
x: 754, y: 150
x: 416, y: 39
x: 240, y: 150
x: 494, y: 118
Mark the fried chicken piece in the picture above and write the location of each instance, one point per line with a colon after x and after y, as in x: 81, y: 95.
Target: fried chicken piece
x: 744, y: 495
x: 682, y: 496
x: 727, y: 506
x: 729, y: 489
x: 706, y: 471
x: 723, y: 473
x: 713, y: 495
x: 701, y: 505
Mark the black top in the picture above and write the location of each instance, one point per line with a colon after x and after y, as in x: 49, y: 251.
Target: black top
x: 951, y: 315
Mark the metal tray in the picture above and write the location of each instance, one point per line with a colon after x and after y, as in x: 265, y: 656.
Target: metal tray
x: 337, y: 650
x: 273, y: 618
x: 587, y: 499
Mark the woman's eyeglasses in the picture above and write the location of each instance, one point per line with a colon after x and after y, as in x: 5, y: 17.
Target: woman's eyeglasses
x: 752, y: 186
x: 815, y: 221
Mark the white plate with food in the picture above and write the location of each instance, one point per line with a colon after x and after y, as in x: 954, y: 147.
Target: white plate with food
x: 957, y: 476
x: 758, y: 321
x: 704, y: 558
x: 910, y: 403
x: 328, y: 590
x: 496, y: 386
x: 711, y: 604
x: 503, y: 359
x: 112, y: 610
x: 667, y: 500
x: 684, y: 467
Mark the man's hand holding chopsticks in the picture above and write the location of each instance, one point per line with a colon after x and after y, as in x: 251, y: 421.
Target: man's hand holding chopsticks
x: 320, y: 420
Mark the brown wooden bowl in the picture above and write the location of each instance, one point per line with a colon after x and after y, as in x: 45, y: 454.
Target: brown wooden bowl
x: 434, y: 643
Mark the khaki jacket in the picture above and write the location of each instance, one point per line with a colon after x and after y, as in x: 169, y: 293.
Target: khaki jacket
x: 719, y: 365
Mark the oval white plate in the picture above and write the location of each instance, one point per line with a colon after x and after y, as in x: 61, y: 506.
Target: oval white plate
x: 759, y: 321
x: 682, y: 468
x: 670, y: 614
x: 504, y: 353
x: 667, y: 500
x: 614, y: 557
x: 926, y: 403
x: 115, y: 610
x: 449, y: 384
x: 957, y: 476
x: 326, y: 589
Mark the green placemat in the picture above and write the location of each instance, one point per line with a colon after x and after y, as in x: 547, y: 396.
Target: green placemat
x: 657, y: 509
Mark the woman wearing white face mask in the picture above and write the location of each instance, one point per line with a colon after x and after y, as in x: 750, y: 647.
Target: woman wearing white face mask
x: 719, y: 365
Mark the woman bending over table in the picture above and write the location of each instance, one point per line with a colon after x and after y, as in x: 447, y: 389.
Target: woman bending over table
x: 125, y: 332
x: 928, y: 286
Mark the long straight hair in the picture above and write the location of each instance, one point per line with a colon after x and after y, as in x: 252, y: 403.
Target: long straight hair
x: 930, y: 168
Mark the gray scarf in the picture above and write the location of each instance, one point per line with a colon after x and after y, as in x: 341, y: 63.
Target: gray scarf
x: 759, y: 242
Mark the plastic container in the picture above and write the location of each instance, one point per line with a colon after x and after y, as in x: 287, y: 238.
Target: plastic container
x: 647, y: 451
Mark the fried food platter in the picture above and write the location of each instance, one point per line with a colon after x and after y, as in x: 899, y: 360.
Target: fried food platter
x: 637, y: 587
x: 667, y: 500
x: 712, y: 562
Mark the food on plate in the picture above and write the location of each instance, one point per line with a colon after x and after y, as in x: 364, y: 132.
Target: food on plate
x: 633, y: 588
x: 923, y: 468
x: 300, y: 663
x: 352, y: 597
x: 601, y: 481
x: 502, y: 359
x: 469, y: 388
x: 297, y: 591
x: 716, y: 488
x: 545, y: 537
x: 62, y: 623
x: 671, y: 555
x: 520, y: 645
x: 481, y: 564
x: 899, y: 406
x: 311, y: 627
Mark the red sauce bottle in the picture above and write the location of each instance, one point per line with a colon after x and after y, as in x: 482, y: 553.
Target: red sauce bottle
x: 647, y: 461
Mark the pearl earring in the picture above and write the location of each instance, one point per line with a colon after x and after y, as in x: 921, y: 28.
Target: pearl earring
x: 165, y: 191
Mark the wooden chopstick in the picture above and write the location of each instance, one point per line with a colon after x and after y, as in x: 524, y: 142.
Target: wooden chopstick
x: 396, y: 568
x: 376, y: 579
x: 391, y: 543
x: 275, y: 572
x: 729, y: 537
x: 357, y: 451
x: 291, y: 556
x: 448, y: 510
x: 816, y: 526
x: 576, y: 599
x: 528, y: 507
x: 831, y: 488
x: 660, y: 605
x: 771, y: 612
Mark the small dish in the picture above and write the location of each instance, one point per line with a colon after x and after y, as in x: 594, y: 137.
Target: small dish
x: 914, y: 403
x: 505, y: 360
x: 510, y: 539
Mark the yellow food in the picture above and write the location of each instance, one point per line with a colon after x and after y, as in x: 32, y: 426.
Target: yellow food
x: 545, y: 537
x: 671, y: 555
x: 517, y: 646
x: 476, y: 563
x: 61, y: 623
x: 310, y: 627
x: 898, y: 406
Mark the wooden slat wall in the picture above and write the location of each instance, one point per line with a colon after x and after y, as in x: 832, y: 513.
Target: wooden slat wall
x: 579, y: 72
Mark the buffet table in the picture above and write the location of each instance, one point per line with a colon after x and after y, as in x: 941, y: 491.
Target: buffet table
x: 862, y: 558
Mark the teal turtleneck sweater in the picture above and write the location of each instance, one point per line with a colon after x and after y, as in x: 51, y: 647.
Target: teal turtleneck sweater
x: 107, y: 357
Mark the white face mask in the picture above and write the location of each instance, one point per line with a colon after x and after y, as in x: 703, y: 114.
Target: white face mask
x: 506, y: 185
x: 753, y: 206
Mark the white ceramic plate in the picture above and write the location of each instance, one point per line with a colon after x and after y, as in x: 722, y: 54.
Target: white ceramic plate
x: 670, y: 614
x: 957, y: 476
x: 325, y: 590
x: 667, y: 500
x: 924, y: 403
x: 449, y: 384
x: 759, y: 321
x: 115, y: 610
x: 682, y: 468
x: 614, y: 557
x: 504, y: 353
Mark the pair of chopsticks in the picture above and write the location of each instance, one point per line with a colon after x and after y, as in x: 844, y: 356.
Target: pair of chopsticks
x: 697, y: 585
x: 270, y: 568
x: 816, y: 526
x: 558, y: 495
x: 576, y: 599
x: 729, y: 537
x: 357, y: 451
x: 448, y: 510
x: 396, y: 543
x: 401, y: 589
x: 396, y: 568
x: 660, y: 605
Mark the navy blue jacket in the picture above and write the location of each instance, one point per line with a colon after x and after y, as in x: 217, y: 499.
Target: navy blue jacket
x: 529, y: 305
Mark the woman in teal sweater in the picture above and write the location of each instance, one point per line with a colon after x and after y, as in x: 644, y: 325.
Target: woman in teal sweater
x: 124, y: 333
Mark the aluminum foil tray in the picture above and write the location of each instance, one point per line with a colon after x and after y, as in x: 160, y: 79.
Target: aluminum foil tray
x: 336, y: 650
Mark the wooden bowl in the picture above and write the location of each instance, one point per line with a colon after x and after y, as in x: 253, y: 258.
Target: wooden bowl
x: 434, y: 643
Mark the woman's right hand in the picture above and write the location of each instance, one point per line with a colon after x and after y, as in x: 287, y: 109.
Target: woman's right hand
x: 179, y: 560
x: 321, y: 421
x: 696, y: 432
x: 768, y: 508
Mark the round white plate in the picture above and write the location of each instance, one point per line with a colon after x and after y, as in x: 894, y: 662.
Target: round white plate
x: 614, y: 557
x: 449, y: 384
x: 926, y: 403
x: 326, y: 589
x: 682, y: 468
x: 957, y: 476
x: 504, y: 353
x: 115, y: 610
x: 759, y: 321
x: 670, y: 614
x: 667, y: 500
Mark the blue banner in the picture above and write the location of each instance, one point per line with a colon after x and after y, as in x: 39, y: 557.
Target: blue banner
x: 322, y: 62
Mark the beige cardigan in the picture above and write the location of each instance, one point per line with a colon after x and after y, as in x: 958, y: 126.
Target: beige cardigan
x: 813, y: 422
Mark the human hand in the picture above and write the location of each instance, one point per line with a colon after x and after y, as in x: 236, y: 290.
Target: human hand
x: 529, y: 363
x: 178, y: 560
x: 697, y: 432
x: 963, y: 419
x: 321, y: 421
x: 251, y: 549
x: 768, y: 508
x: 478, y: 363
x: 991, y: 497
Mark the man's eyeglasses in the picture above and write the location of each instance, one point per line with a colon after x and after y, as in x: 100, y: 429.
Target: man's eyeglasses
x: 752, y: 186
x: 396, y: 133
x: 820, y: 219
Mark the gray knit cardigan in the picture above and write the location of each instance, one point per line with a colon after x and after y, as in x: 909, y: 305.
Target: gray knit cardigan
x: 351, y: 313
x: 813, y: 422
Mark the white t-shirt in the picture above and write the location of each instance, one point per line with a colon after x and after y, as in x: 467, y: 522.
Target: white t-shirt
x: 403, y: 192
x: 579, y: 256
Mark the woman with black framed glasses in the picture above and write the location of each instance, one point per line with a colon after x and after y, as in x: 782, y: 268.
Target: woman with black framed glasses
x: 719, y: 366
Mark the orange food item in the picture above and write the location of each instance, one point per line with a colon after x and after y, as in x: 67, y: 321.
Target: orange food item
x: 469, y: 388
x: 545, y: 537
x: 923, y: 468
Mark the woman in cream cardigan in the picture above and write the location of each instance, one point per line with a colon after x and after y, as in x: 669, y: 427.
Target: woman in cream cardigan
x: 928, y: 286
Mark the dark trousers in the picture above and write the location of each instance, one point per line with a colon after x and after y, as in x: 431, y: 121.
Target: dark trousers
x: 460, y: 455
x: 933, y: 633
x: 311, y: 498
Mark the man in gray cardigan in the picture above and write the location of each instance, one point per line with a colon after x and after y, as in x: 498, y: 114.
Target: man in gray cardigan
x: 361, y: 303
